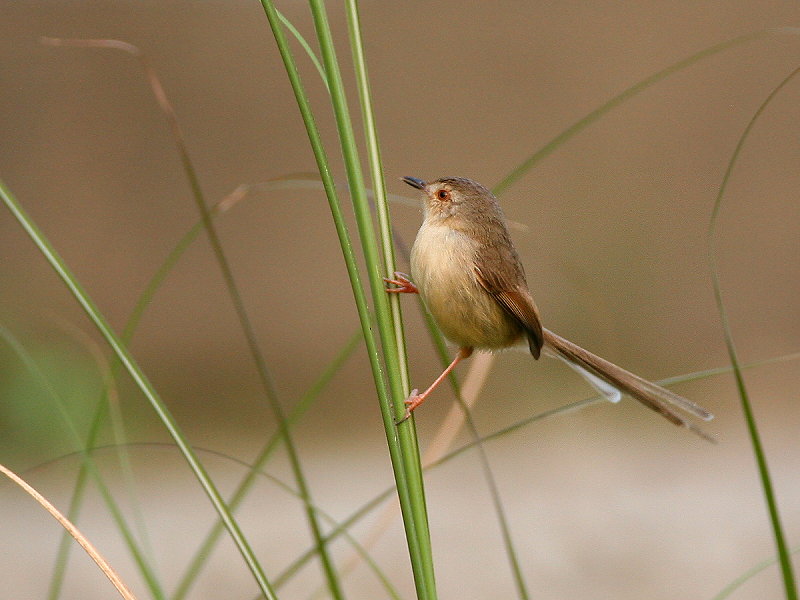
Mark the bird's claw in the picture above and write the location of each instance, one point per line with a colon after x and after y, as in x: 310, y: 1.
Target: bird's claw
x: 411, y: 403
x: 403, y: 283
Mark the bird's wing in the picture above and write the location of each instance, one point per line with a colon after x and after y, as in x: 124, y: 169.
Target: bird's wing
x: 516, y: 300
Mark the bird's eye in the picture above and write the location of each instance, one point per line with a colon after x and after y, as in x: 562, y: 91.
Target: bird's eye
x: 443, y: 194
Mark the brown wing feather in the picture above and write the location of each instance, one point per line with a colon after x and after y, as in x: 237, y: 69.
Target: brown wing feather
x: 516, y: 300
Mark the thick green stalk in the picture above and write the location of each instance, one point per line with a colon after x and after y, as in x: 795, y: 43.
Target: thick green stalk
x: 414, y: 510
x: 378, y: 180
x: 787, y: 571
x: 398, y: 445
x: 144, y: 385
x: 359, y: 295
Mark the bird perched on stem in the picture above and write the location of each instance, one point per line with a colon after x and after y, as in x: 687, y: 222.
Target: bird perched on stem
x: 469, y: 275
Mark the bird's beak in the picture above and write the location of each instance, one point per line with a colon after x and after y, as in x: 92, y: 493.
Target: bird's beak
x: 414, y: 182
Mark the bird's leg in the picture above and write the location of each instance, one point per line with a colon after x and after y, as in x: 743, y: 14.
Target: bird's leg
x: 415, y: 399
x: 405, y: 285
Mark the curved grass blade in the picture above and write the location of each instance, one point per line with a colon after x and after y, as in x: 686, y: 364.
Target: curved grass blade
x: 307, y: 47
x: 139, y: 556
x: 142, y: 383
x: 787, y: 571
x: 74, y: 532
x: 526, y: 165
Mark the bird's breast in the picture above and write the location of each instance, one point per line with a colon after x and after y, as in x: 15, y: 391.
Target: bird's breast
x: 443, y: 268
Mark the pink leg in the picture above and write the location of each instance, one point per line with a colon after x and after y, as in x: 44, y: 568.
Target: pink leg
x: 414, y: 400
x: 405, y: 286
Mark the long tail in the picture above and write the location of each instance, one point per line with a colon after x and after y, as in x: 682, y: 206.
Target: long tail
x: 648, y: 393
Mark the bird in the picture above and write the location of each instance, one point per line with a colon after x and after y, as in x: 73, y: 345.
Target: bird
x: 471, y: 279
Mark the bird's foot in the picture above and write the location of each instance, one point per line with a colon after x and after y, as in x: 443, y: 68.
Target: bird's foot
x: 413, y: 401
x: 403, y: 283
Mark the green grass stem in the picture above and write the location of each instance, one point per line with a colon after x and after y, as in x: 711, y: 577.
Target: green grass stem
x: 412, y: 500
x: 520, y: 170
x: 402, y: 444
x: 787, y: 571
x: 378, y: 181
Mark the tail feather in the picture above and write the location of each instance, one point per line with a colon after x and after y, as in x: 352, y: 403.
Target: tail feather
x: 651, y: 395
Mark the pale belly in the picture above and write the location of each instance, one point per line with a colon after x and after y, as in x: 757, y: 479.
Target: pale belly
x: 442, y: 268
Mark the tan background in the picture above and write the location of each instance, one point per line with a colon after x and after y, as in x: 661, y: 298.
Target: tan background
x: 611, y: 502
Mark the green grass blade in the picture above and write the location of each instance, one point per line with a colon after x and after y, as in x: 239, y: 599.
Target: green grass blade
x: 306, y: 46
x: 787, y: 571
x: 142, y: 382
x: 526, y: 165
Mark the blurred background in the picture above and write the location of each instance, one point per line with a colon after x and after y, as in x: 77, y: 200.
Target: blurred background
x: 611, y: 501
